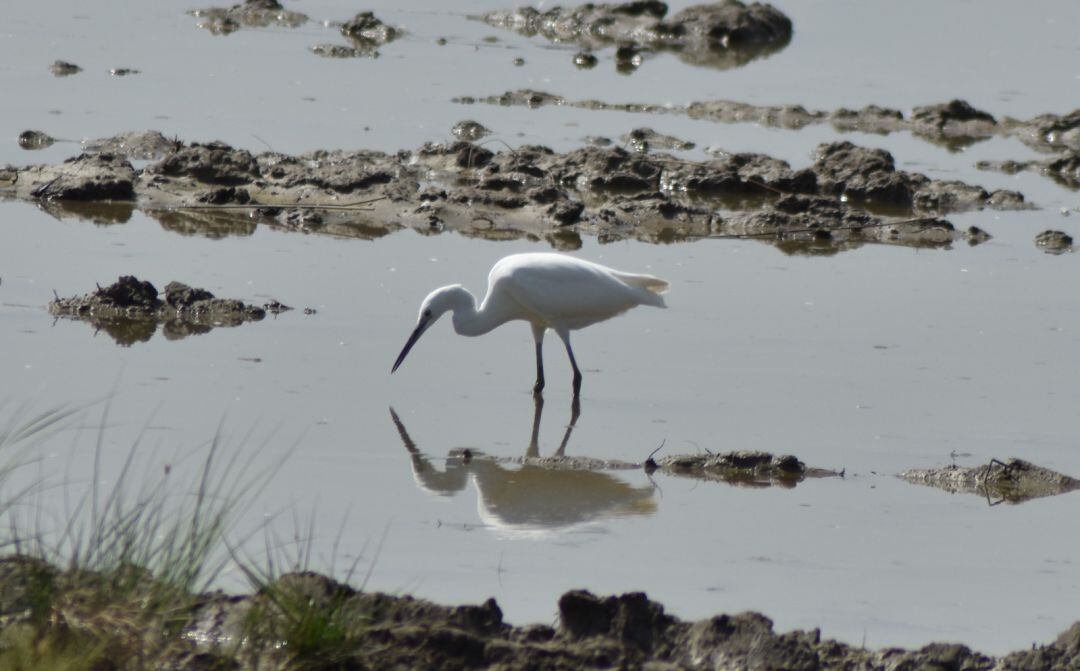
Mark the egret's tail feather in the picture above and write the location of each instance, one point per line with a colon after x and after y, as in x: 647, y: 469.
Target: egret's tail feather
x: 653, y: 284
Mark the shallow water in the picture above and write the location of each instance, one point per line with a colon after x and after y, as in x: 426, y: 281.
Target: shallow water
x: 874, y: 360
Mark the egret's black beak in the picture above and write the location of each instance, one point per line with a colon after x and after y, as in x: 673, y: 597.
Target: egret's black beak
x: 417, y: 332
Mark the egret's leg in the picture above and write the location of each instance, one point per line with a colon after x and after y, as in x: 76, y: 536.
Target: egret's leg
x: 565, y: 335
x: 575, y: 412
x: 534, y: 441
x: 538, y: 336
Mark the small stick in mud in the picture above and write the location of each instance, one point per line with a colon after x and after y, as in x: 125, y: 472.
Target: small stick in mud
x: 650, y: 463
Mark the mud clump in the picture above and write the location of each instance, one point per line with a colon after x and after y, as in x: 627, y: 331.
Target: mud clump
x: 722, y: 35
x: 469, y: 130
x: 88, y: 177
x: 366, y: 26
x: 644, y: 140
x: 210, y: 163
x: 64, y: 69
x: 140, y: 145
x: 250, y: 14
x: 1011, y: 481
x: 749, y: 468
x: 955, y: 124
x: 365, y: 33
x: 870, y: 176
x: 32, y: 140
x: 130, y: 310
x: 1054, y: 242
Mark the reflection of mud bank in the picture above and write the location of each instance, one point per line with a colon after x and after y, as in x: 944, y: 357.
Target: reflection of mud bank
x: 129, y: 310
x: 954, y: 125
x: 721, y: 34
x: 848, y: 196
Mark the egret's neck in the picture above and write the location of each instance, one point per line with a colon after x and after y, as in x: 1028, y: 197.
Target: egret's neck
x: 468, y: 321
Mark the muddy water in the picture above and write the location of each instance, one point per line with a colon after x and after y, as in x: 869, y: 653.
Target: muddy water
x: 875, y: 360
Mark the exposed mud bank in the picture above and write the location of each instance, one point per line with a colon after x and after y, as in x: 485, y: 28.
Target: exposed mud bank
x: 953, y: 125
x: 846, y: 197
x: 1011, y: 481
x: 130, y: 310
x: 307, y: 620
x: 721, y: 35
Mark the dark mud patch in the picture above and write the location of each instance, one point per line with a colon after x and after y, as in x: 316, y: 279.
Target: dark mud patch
x: 130, y: 310
x: 723, y: 34
x: 305, y: 620
x: 1011, y: 481
x: 249, y: 14
x: 847, y: 197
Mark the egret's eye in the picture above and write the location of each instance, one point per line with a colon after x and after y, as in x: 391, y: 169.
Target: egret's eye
x: 427, y: 313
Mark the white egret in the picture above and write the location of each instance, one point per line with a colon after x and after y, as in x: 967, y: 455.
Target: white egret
x: 550, y: 291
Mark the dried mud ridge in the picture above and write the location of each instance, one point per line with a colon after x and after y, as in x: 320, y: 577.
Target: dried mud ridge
x: 721, y: 34
x: 130, y: 310
x: 846, y: 197
x: 380, y: 631
x: 1011, y: 481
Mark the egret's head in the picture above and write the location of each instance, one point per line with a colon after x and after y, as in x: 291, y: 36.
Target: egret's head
x: 433, y: 307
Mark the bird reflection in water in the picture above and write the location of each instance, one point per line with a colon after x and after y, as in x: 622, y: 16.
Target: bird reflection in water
x: 531, y: 494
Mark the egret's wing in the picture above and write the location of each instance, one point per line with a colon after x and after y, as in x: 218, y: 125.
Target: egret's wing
x: 570, y: 294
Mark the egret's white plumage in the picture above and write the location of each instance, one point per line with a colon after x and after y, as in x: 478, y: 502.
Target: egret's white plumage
x: 550, y: 291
